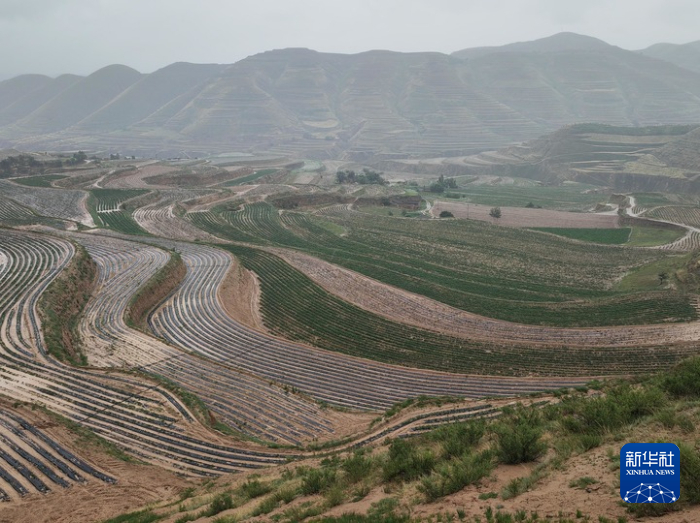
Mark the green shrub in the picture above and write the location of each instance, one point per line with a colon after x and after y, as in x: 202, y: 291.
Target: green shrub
x: 286, y: 495
x: 454, y: 476
x: 265, y: 507
x: 317, y: 481
x: 519, y: 434
x: 254, y: 489
x: 221, y: 502
x: 458, y: 439
x: 357, y: 467
x: 601, y: 415
x: 335, y: 496
x: 683, y: 379
x: 406, y: 462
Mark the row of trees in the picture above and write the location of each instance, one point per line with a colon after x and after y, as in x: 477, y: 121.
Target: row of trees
x: 28, y: 165
x: 366, y: 177
x: 443, y: 183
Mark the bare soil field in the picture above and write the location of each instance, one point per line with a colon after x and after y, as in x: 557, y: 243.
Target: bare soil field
x: 136, y: 485
x: 240, y: 296
x: 523, y: 217
x: 136, y: 179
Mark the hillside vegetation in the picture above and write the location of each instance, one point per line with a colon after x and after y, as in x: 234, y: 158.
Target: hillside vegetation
x: 464, y: 471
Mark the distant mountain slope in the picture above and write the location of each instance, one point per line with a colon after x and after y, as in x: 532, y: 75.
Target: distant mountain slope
x: 146, y: 96
x: 373, y: 105
x: 78, y: 101
x: 32, y: 99
x: 686, y: 55
x: 14, y: 89
x: 659, y: 158
x: 557, y: 43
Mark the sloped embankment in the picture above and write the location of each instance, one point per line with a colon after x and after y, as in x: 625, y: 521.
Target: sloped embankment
x: 155, y: 291
x: 62, y: 304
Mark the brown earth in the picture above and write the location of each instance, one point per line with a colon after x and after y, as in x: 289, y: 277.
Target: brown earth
x: 137, y: 485
x: 155, y: 291
x: 63, y: 302
x: 240, y: 296
x: 524, y: 217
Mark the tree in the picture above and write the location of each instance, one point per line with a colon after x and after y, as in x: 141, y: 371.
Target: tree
x: 495, y: 212
x: 446, y: 214
x: 663, y: 276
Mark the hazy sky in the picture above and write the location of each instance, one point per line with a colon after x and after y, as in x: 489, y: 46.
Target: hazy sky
x: 81, y: 36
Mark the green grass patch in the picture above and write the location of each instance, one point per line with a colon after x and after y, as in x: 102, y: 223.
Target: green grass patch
x: 604, y: 236
x: 142, y: 516
x: 107, y: 210
x: 646, y: 278
x: 61, y: 307
x: 652, y: 236
x: 250, y: 178
x: 575, y: 197
x: 45, y: 180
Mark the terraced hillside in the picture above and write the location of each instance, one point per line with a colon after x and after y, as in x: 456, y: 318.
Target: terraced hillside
x: 289, y: 329
x: 471, y: 266
x: 302, y: 103
x: 623, y: 159
x: 143, y: 417
x: 62, y: 204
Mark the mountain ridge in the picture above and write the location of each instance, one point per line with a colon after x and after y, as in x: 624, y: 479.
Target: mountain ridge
x: 375, y: 104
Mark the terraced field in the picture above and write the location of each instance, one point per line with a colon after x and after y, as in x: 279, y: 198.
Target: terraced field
x: 419, y: 311
x: 142, y: 417
x: 107, y: 208
x: 63, y: 204
x: 248, y: 404
x: 360, y: 311
x: 13, y: 213
x: 478, y: 268
x: 676, y: 214
x: 326, y: 376
x: 35, y: 462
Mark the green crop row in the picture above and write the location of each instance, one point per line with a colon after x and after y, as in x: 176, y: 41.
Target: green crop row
x: 296, y: 308
x: 502, y: 273
x: 605, y: 236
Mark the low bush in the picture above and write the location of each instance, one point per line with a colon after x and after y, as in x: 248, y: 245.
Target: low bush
x: 519, y: 435
x: 458, y: 439
x: 453, y: 476
x: 357, y: 467
x: 684, y: 379
x: 253, y: 489
x: 620, y: 406
x: 317, y: 481
x: 407, y: 462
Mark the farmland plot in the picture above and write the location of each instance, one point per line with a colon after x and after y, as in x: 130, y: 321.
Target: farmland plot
x: 159, y: 218
x: 524, y: 217
x: 490, y: 271
x: 63, y: 204
x: 423, y: 312
x: 149, y: 422
x: 11, y: 212
x: 250, y: 405
x: 334, y: 378
x: 682, y: 215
